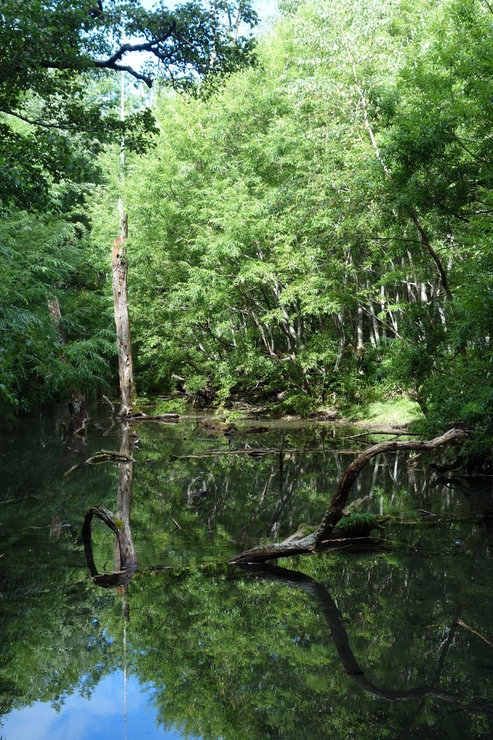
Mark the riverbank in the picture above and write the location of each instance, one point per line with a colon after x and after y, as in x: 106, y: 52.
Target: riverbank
x: 398, y: 413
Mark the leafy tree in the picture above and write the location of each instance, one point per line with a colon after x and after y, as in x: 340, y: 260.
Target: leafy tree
x: 323, y: 225
x: 50, y: 129
x: 255, y: 221
x: 58, y: 111
x: 53, y: 336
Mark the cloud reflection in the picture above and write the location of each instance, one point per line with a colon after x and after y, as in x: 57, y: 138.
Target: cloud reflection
x: 98, y: 718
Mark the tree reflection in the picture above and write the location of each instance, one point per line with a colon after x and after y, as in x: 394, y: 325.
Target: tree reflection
x: 125, y: 557
x: 333, y: 617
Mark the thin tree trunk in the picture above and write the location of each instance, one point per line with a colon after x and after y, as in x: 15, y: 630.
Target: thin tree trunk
x: 383, y: 314
x: 79, y: 418
x: 124, y: 504
x: 359, y: 332
x: 122, y: 322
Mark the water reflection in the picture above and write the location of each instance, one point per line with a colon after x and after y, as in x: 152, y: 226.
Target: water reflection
x: 112, y: 711
x: 338, y: 632
x: 332, y: 652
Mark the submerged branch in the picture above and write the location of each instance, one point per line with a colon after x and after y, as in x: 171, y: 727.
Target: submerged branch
x: 258, y: 452
x: 109, y: 456
x: 163, y: 418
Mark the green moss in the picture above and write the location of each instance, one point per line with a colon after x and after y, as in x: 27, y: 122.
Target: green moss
x: 358, y: 524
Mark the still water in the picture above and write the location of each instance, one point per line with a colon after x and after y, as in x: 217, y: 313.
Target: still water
x: 392, y: 641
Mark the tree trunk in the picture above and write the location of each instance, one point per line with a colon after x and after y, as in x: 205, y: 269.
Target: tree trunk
x: 124, y: 504
x: 122, y: 322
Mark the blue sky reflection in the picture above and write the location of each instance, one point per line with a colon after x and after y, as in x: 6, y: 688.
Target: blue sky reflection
x: 97, y: 718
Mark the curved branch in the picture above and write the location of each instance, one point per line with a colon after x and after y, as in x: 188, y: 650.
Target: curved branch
x: 128, y: 557
x: 338, y: 632
x: 123, y: 68
x: 316, y: 541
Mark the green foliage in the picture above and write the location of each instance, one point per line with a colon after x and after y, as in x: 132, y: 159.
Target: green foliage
x: 59, y: 111
x: 44, y: 355
x: 318, y: 228
x: 358, y: 524
x: 51, y: 127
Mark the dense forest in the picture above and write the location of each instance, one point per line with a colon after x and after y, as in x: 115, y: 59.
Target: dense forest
x: 309, y: 206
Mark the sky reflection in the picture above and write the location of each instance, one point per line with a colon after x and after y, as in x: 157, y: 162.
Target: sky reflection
x: 98, y: 718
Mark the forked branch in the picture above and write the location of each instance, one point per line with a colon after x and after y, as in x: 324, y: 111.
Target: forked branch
x: 316, y: 541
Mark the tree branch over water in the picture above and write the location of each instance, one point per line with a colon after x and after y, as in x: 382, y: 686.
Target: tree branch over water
x: 316, y: 541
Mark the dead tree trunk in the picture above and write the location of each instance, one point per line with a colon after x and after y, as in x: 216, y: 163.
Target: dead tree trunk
x: 124, y: 504
x: 122, y: 322
x: 125, y: 557
x: 316, y: 541
x: 128, y: 559
x: 79, y: 418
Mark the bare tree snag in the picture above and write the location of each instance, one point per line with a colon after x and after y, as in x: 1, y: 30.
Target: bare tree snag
x: 122, y: 321
x: 79, y: 418
x: 124, y: 505
x: 317, y: 540
x: 125, y: 557
x: 56, y: 317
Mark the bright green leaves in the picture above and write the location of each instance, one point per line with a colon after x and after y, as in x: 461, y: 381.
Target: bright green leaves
x: 323, y: 223
x: 59, y: 110
x: 51, y: 55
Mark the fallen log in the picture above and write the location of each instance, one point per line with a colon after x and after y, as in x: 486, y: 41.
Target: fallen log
x: 161, y: 418
x: 316, y: 541
x: 259, y: 452
x: 109, y: 456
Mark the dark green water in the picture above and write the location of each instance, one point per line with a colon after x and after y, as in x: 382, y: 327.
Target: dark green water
x: 346, y: 645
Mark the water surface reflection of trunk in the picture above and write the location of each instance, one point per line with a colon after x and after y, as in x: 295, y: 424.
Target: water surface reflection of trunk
x: 125, y: 558
x: 339, y: 635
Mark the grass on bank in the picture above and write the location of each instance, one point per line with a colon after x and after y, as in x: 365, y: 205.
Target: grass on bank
x: 392, y: 412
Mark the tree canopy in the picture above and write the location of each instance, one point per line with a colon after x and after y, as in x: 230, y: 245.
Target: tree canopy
x: 53, y: 121
x: 59, y: 110
x: 317, y: 229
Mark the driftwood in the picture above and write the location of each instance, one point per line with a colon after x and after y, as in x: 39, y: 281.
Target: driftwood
x: 258, y: 452
x: 111, y: 404
x: 109, y: 456
x: 164, y: 418
x: 316, y: 541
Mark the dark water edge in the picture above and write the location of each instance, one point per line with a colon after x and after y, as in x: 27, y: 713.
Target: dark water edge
x: 394, y: 641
